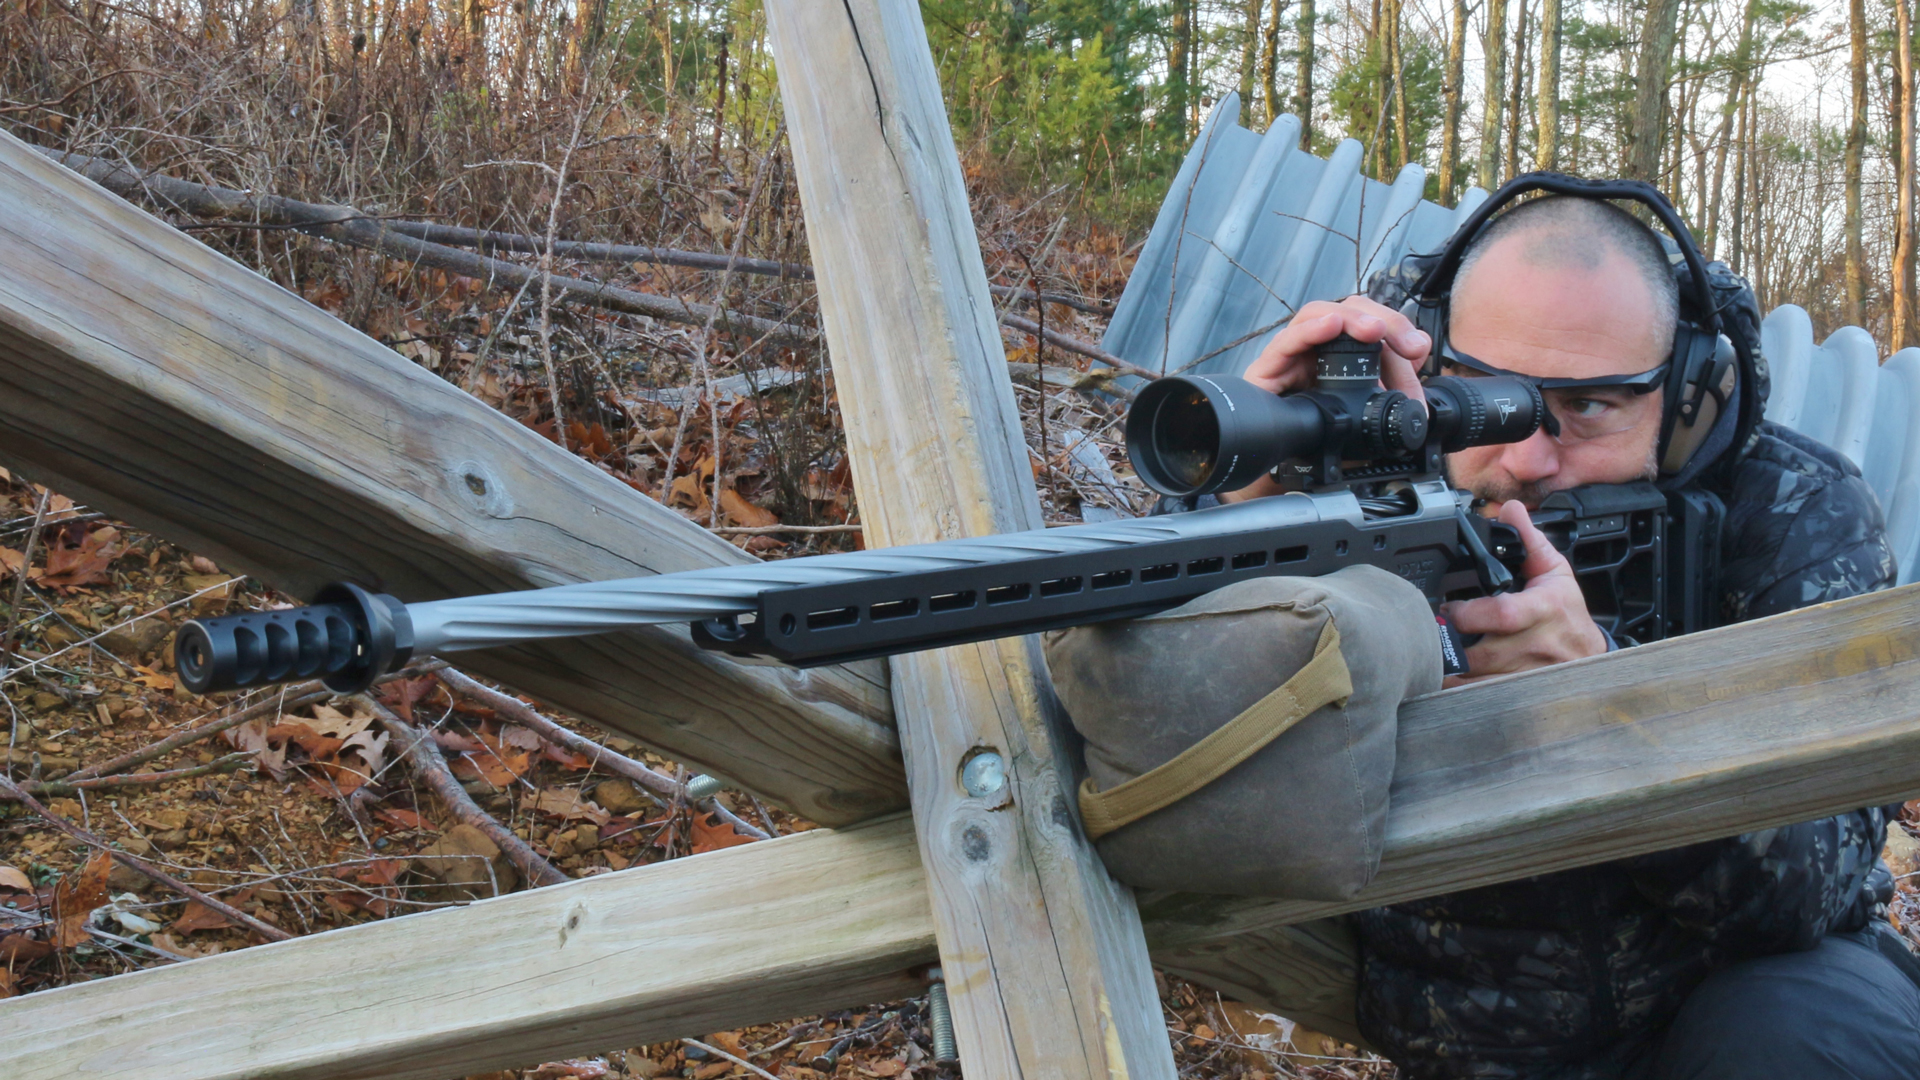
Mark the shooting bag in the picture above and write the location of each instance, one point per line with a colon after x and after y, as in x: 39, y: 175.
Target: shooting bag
x: 1244, y: 742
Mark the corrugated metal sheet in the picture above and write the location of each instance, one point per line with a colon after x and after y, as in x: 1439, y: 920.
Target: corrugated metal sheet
x: 1838, y: 393
x: 1253, y: 227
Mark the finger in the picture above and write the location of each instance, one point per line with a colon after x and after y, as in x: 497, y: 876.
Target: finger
x: 1399, y: 373
x: 1543, y: 560
x: 1286, y: 363
x: 1507, y: 613
x: 1382, y: 323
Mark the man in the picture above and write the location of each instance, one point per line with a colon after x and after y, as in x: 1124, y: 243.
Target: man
x: 1759, y: 956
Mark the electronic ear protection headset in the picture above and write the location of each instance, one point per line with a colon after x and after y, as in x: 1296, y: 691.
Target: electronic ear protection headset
x: 1703, y: 371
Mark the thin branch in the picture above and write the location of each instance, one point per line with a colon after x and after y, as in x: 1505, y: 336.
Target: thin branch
x: 420, y: 750
x: 141, y: 866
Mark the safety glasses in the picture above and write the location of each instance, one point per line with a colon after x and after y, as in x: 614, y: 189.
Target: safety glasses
x: 1578, y: 410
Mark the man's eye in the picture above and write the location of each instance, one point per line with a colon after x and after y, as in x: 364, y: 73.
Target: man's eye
x: 1587, y: 407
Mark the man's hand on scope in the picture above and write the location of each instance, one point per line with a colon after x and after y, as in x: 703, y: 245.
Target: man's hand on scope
x: 1545, y: 623
x: 1287, y: 362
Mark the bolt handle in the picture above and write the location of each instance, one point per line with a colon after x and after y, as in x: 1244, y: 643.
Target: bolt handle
x: 347, y: 639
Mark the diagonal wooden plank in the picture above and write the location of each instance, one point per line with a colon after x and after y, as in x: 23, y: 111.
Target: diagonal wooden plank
x: 679, y: 948
x: 146, y: 374
x: 1042, y: 950
x: 1781, y: 720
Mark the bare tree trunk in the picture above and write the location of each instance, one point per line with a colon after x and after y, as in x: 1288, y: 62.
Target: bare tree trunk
x: 1250, y: 55
x: 1400, y: 127
x: 1740, y: 189
x: 1516, y: 104
x: 1453, y: 96
x: 1856, y: 152
x: 1494, y: 93
x: 1270, y: 60
x: 1648, y: 122
x: 1547, y: 150
x: 1735, y: 97
x: 1303, y: 75
x: 1379, y: 49
x: 1902, y: 333
x: 1179, y: 50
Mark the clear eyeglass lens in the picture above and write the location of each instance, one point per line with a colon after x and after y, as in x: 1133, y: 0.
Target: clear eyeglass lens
x: 1595, y: 414
x: 1585, y: 414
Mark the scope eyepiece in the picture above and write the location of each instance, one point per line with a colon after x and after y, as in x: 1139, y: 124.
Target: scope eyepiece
x: 348, y: 638
x: 1199, y: 434
x: 1483, y: 411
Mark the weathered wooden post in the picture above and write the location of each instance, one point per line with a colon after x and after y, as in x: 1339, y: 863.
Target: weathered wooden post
x: 1042, y: 950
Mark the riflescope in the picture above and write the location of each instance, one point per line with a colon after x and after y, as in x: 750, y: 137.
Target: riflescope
x: 1198, y: 434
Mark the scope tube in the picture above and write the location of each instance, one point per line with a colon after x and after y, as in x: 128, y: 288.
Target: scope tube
x: 1196, y: 434
x: 1200, y: 434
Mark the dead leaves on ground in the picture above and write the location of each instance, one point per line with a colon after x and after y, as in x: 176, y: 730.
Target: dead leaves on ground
x: 339, y: 746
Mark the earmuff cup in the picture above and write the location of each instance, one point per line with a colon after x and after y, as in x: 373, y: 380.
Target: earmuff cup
x: 1702, y: 383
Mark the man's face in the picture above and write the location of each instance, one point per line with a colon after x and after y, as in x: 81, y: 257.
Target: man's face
x: 1559, y: 322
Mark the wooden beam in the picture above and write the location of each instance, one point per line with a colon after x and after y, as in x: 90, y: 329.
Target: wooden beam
x: 1786, y: 719
x: 148, y: 375
x: 1042, y: 950
x: 781, y: 928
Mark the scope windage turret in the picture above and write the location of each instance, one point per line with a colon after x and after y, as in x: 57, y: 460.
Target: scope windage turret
x: 348, y: 638
x: 1198, y: 434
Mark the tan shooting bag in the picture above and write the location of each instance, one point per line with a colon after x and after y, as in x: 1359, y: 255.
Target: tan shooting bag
x: 1244, y: 742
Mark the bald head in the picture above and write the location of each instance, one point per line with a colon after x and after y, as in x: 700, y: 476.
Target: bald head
x: 1574, y: 237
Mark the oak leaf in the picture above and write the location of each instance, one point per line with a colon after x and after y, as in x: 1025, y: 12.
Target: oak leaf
x: 710, y: 833
x: 568, y: 805
x: 742, y: 512
x: 199, y: 916
x: 13, y: 878
x: 75, y: 898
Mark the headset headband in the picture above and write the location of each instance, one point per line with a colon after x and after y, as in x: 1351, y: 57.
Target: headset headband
x: 1438, y: 280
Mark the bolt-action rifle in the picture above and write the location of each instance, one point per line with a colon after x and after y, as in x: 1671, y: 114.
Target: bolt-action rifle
x: 1364, y: 463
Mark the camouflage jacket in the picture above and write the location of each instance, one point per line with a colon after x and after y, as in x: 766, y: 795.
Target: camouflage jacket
x: 1572, y: 976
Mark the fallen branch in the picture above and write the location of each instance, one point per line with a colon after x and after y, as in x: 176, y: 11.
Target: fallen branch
x: 425, y: 757
x: 229, y: 763
x: 614, y: 762
x: 772, y: 530
x: 293, y: 697
x: 347, y: 225
x: 1075, y: 345
x: 141, y: 866
x: 590, y: 251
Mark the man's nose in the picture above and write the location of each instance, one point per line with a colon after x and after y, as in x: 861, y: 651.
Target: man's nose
x: 1531, y: 459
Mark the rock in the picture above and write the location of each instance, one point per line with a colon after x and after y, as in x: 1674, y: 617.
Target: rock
x: 171, y: 839
x: 642, y: 1066
x: 46, y: 702
x: 461, y: 859
x: 135, y: 640
x: 219, y: 588
x: 171, y: 818
x: 619, y: 797
x: 137, y: 845
x: 66, y: 808
x: 586, y: 838
x: 124, y: 878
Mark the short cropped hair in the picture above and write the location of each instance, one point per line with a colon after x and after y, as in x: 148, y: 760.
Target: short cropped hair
x: 1565, y: 231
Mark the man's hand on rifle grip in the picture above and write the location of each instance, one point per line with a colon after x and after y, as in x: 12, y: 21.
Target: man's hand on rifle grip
x: 1545, y: 623
x: 1287, y: 362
